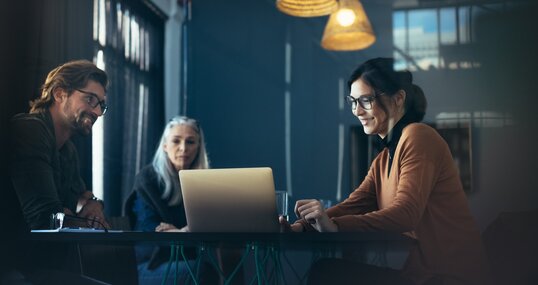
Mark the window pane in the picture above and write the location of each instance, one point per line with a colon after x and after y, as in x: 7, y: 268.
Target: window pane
x: 102, y: 23
x: 464, y: 24
x: 423, y: 42
x: 448, y: 25
x: 399, y: 29
x: 399, y: 38
x: 97, y: 142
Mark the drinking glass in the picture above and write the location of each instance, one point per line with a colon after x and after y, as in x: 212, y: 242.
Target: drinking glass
x: 282, y: 204
x: 326, y: 203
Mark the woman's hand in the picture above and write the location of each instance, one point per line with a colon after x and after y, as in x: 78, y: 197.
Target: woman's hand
x: 184, y: 229
x: 313, y: 212
x: 165, y: 227
x: 286, y: 227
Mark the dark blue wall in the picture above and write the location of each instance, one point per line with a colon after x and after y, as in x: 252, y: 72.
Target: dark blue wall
x: 237, y: 89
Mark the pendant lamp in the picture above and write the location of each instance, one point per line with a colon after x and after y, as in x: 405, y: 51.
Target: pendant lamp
x: 307, y: 8
x: 348, y: 28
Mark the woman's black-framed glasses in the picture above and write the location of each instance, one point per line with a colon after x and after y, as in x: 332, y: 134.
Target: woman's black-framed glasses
x: 93, y: 100
x: 364, y: 101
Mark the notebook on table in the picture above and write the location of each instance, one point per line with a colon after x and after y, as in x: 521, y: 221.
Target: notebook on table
x: 229, y: 200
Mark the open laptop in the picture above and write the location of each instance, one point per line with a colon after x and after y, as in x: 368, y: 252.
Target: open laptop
x: 229, y: 200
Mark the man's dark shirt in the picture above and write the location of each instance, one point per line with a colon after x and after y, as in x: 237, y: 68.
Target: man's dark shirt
x: 45, y: 179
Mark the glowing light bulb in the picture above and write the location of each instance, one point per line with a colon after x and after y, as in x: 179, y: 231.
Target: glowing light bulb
x: 345, y: 17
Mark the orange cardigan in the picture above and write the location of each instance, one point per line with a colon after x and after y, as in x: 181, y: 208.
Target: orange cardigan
x: 422, y: 197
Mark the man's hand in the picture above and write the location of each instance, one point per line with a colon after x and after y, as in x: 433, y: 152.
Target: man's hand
x: 313, y: 212
x: 68, y: 222
x: 93, y: 211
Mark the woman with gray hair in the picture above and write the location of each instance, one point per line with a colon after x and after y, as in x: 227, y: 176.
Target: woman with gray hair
x: 156, y: 202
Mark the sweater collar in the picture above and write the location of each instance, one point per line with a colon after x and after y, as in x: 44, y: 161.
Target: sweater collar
x: 393, y: 137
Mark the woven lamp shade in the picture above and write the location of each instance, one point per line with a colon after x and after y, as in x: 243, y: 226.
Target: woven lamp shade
x: 307, y: 8
x: 348, y: 28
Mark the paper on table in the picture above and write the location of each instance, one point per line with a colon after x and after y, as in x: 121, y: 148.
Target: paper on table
x: 75, y: 230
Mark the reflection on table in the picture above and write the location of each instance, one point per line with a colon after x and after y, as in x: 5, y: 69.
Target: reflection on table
x: 269, y: 258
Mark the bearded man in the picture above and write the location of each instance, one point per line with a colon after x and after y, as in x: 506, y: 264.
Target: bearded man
x: 44, y: 167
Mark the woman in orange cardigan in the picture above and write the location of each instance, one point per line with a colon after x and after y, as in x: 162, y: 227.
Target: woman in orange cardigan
x: 412, y: 187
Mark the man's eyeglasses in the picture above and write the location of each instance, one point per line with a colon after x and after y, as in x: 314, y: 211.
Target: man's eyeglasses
x: 93, y: 100
x: 364, y: 101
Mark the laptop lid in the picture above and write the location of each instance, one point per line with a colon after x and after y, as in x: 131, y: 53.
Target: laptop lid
x: 229, y: 200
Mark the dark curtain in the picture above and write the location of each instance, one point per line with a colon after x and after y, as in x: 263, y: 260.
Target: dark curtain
x: 133, y: 58
x: 37, y: 35
x: 41, y: 34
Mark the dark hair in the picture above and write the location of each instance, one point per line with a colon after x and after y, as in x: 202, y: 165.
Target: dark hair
x: 379, y: 73
x: 71, y: 75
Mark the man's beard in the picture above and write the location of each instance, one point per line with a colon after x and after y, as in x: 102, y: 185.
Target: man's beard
x: 79, y: 127
x: 76, y: 121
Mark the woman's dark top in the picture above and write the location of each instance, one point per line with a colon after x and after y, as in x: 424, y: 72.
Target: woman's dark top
x: 146, y: 210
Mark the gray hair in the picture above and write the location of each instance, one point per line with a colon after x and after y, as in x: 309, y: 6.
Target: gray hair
x: 166, y: 172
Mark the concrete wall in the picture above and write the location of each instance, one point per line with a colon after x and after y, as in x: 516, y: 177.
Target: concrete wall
x: 172, y: 51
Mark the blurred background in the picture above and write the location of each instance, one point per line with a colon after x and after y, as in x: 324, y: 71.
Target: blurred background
x: 267, y: 93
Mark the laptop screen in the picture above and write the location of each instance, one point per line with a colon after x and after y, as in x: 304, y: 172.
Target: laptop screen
x: 229, y: 200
